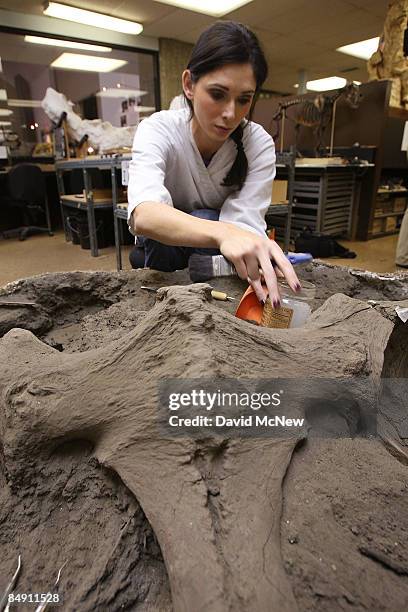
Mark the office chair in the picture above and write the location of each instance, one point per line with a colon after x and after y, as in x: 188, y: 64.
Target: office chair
x: 27, y: 192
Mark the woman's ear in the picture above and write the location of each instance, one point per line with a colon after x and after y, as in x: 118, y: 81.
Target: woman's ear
x: 188, y: 86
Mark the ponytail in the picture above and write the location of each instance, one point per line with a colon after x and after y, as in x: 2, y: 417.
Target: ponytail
x: 239, y: 169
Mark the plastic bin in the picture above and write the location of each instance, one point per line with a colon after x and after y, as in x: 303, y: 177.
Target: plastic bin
x: 78, y: 229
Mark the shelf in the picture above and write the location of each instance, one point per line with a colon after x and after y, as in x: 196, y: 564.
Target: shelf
x: 382, y: 234
x: 398, y: 113
x: 92, y: 161
x: 278, y: 209
x: 390, y: 214
x: 393, y: 191
x: 74, y: 201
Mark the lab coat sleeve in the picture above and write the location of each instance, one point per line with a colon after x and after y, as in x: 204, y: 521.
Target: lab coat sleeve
x: 247, y: 208
x: 150, y: 161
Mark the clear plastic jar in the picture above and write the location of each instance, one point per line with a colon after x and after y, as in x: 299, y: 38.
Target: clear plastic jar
x: 295, y: 309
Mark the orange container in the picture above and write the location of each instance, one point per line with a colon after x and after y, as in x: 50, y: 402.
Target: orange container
x: 249, y: 307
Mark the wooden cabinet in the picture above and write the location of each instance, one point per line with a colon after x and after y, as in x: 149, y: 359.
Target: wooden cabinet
x: 389, y: 209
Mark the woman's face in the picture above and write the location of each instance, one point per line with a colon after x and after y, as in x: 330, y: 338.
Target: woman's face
x: 221, y: 99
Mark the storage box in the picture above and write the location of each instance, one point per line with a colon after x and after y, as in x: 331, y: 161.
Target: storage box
x: 388, y: 205
x: 383, y: 202
x: 400, y: 203
x: 390, y: 224
x: 378, y: 225
x: 101, y: 195
x: 279, y: 192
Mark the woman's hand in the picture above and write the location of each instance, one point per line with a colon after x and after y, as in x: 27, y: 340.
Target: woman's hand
x: 253, y: 255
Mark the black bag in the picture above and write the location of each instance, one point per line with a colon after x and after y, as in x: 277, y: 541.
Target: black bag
x: 320, y: 245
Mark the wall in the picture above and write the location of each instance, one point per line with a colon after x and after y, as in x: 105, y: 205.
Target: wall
x: 364, y: 125
x: 174, y: 56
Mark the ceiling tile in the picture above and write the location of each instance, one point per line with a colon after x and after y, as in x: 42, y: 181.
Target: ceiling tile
x: 145, y: 11
x: 375, y: 7
x: 177, y: 23
x: 294, y: 33
x: 309, y: 14
x: 254, y: 12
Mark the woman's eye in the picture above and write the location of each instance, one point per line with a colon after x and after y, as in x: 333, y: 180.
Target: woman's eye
x: 216, y: 95
x: 244, y: 101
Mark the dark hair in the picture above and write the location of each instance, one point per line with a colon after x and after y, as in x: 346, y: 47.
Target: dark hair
x: 229, y: 42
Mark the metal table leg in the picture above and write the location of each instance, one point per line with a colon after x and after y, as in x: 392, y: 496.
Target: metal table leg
x: 116, y: 220
x: 90, y: 213
x: 291, y: 186
x: 61, y: 192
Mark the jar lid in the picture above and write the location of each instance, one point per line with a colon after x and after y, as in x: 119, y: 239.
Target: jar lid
x: 308, y: 291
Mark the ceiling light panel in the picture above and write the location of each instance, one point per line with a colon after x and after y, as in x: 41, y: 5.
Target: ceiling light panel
x: 69, y: 44
x: 215, y: 8
x: 97, y: 20
x: 363, y: 49
x: 24, y: 103
x: 87, y: 63
x: 122, y: 92
x: 5, y: 112
x: 144, y: 109
x: 326, y: 84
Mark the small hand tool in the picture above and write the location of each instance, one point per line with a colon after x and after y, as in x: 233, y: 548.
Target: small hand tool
x: 6, y: 303
x: 216, y: 295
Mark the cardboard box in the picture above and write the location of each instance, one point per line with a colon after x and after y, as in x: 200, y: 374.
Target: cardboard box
x: 106, y: 194
x: 388, y: 206
x: 400, y: 204
x: 279, y: 192
x: 378, y: 225
x: 390, y: 224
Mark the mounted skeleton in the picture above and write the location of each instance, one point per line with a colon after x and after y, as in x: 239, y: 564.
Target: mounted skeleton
x: 317, y: 112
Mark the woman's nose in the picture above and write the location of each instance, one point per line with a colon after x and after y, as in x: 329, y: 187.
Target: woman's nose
x: 229, y: 110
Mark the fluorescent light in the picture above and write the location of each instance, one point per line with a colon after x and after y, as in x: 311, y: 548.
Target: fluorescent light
x: 24, y: 103
x: 98, y: 20
x: 144, y: 109
x: 88, y: 63
x: 5, y: 112
x: 357, y: 82
x: 3, y: 95
x: 120, y: 92
x: 5, y: 123
x: 70, y: 44
x: 363, y: 49
x: 215, y: 8
x: 326, y: 84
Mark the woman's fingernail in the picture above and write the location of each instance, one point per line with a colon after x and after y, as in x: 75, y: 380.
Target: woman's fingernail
x: 298, y: 287
x: 262, y: 302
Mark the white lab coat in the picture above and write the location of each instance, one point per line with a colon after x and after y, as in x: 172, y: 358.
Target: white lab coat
x: 167, y: 167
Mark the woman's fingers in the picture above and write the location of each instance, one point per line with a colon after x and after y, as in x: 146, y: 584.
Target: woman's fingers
x: 240, y: 267
x: 284, y: 265
x: 259, y: 289
x: 254, y: 277
x: 270, y: 280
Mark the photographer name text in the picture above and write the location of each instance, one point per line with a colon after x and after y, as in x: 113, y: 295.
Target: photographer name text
x: 241, y: 421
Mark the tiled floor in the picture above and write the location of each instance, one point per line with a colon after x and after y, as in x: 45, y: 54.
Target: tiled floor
x: 39, y: 254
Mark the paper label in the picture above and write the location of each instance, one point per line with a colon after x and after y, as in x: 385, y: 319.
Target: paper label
x: 278, y: 318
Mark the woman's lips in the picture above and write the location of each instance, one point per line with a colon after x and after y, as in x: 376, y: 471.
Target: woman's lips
x: 223, y: 130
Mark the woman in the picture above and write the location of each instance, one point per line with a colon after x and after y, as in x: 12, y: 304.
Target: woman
x: 201, y: 177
